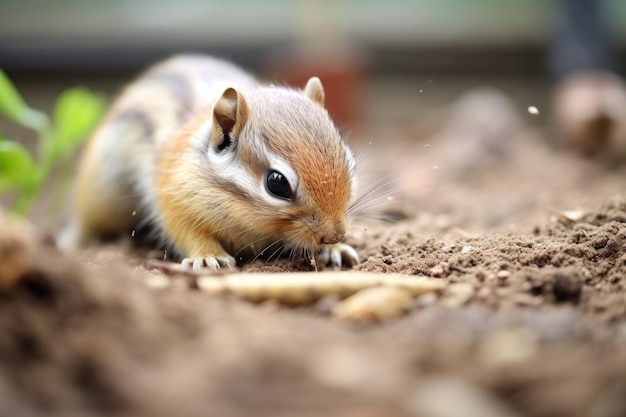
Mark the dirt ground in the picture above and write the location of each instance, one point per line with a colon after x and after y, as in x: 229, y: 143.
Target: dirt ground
x: 528, y: 239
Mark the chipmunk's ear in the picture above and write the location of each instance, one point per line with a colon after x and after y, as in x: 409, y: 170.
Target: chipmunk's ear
x: 230, y: 115
x: 315, y: 91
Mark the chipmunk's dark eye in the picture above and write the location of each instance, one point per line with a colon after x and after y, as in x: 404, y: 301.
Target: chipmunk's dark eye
x: 278, y: 186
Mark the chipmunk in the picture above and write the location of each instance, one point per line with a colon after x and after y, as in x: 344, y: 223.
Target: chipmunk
x: 223, y: 166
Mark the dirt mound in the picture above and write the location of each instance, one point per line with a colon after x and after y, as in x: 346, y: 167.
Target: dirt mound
x: 530, y: 324
x: 528, y: 243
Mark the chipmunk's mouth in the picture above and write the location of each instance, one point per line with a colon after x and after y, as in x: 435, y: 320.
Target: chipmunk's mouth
x: 313, y: 233
x: 332, y: 232
x: 331, y: 239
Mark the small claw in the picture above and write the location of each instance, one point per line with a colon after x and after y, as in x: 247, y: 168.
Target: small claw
x: 197, y: 264
x: 339, y: 254
x: 335, y: 257
x: 227, y: 263
x: 350, y: 256
x: 325, y: 255
x: 211, y: 263
x: 208, y: 263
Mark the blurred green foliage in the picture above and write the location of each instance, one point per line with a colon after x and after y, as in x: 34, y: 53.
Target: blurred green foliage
x: 76, y: 112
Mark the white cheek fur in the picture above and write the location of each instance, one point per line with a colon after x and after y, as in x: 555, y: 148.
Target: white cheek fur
x: 229, y: 167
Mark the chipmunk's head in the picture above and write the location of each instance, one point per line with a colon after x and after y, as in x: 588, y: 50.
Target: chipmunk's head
x: 279, y: 153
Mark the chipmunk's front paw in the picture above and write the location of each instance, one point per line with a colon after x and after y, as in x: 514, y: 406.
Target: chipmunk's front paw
x: 339, y: 254
x: 209, y: 262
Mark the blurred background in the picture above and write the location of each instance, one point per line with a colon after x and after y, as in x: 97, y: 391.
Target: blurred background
x: 435, y: 71
x: 398, y: 35
x: 64, y: 42
x: 47, y: 45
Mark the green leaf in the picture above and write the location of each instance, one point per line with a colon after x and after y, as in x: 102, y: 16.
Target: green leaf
x: 13, y: 107
x: 11, y: 102
x: 17, y: 166
x: 76, y: 113
x: 5, y: 184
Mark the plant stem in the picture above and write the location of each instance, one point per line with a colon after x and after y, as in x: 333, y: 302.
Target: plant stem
x: 34, y: 119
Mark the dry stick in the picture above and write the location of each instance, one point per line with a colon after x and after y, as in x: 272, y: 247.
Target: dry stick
x: 298, y: 288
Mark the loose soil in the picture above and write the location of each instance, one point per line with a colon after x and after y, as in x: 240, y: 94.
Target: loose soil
x: 530, y: 239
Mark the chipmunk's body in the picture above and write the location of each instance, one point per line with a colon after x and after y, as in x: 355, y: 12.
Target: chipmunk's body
x: 222, y: 166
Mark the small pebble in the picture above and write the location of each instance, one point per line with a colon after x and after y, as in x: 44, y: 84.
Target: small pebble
x: 374, y: 304
x: 503, y: 275
x: 466, y: 249
x: 436, y: 271
x: 567, y: 285
x: 572, y: 215
x: 457, y: 295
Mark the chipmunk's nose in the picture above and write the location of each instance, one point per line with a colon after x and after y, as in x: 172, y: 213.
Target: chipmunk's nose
x: 334, y: 233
